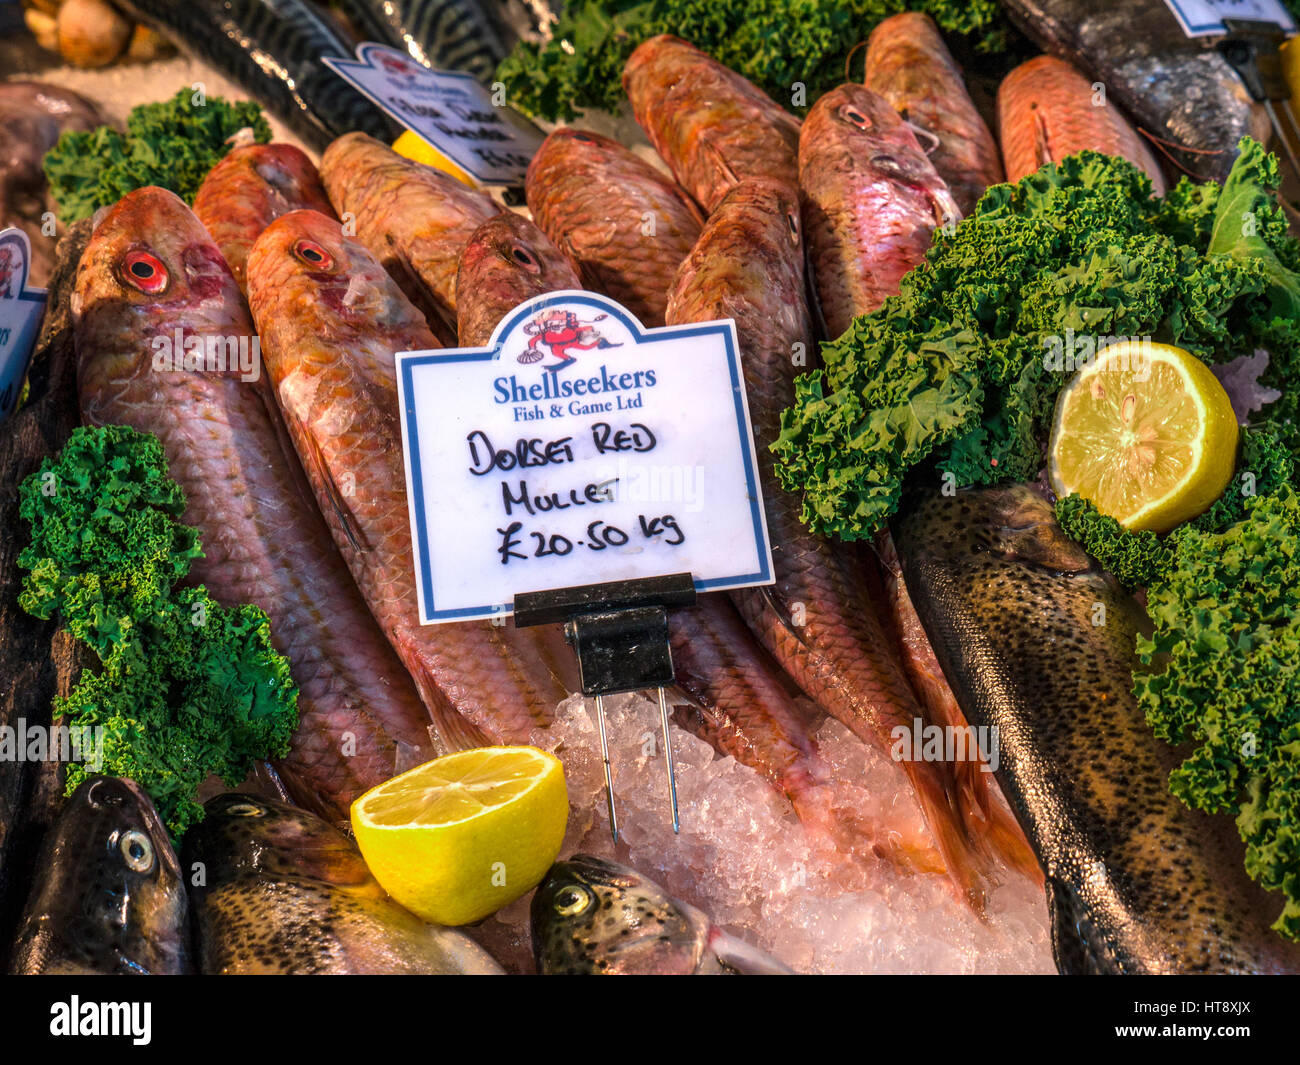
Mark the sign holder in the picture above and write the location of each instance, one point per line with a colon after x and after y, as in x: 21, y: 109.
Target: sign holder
x: 619, y: 631
x: 1252, y: 50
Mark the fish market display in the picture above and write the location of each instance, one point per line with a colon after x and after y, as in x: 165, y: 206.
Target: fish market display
x: 153, y: 282
x: 109, y: 897
x: 910, y: 66
x: 414, y: 219
x: 1047, y: 110
x: 32, y: 118
x: 710, y: 125
x: 286, y: 893
x: 248, y: 190
x: 626, y: 225
x: 595, y: 917
x: 819, y: 619
x: 273, y: 48
x: 507, y: 260
x: 871, y: 202
x: 330, y: 320
x: 1184, y: 94
x: 444, y: 34
x: 1137, y: 883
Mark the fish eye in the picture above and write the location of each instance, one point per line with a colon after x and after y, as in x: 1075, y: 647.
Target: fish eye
x: 855, y: 117
x: 245, y: 809
x: 144, y: 271
x: 571, y: 901
x: 137, y: 849
x: 311, y: 253
x: 525, y: 258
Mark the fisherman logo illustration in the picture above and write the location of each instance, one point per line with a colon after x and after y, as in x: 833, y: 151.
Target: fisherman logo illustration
x: 560, y: 331
x: 10, y: 265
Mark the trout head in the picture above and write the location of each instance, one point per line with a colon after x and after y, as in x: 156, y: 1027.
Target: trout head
x: 245, y: 837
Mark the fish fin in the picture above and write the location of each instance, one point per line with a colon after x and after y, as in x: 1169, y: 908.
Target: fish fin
x: 814, y: 298
x: 922, y: 134
x: 313, y: 461
x: 720, y: 161
x: 1042, y: 139
x: 744, y: 958
x: 943, y: 822
x: 1075, y: 942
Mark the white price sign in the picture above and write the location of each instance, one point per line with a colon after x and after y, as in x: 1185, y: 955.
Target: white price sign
x: 578, y: 448
x: 453, y: 112
x: 21, y: 309
x: 1204, y: 18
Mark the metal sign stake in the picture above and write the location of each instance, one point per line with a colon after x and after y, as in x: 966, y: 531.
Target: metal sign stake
x: 619, y: 631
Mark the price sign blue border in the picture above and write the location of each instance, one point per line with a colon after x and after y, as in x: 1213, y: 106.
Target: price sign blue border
x: 15, y: 359
x: 408, y: 361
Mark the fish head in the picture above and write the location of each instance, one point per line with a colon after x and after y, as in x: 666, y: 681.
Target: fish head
x: 856, y: 129
x: 152, y: 284
x: 595, y: 916
x: 285, y: 168
x: 148, y: 263
x: 507, y: 260
x: 244, y: 836
x: 113, y: 895
x: 304, y: 263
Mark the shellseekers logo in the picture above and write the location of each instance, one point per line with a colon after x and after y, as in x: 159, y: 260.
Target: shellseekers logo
x: 556, y: 332
x: 11, y: 265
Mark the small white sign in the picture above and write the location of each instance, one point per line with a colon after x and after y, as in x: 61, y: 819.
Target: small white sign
x: 21, y: 308
x: 452, y: 111
x: 577, y: 448
x: 1204, y: 18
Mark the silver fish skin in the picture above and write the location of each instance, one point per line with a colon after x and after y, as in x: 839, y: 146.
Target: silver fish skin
x: 1137, y: 883
x: 1176, y: 88
x: 109, y: 898
x: 598, y: 918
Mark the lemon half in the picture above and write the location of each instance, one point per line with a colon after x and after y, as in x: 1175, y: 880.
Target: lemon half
x: 457, y: 838
x: 1147, y: 433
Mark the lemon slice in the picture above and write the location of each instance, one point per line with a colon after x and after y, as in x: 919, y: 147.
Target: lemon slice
x: 416, y: 148
x: 1146, y: 433
x: 457, y: 838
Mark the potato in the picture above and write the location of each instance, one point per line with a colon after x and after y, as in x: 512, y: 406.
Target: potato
x: 147, y: 44
x: 92, y: 33
x: 44, y: 28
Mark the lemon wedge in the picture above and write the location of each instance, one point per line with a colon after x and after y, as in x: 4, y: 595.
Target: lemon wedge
x: 457, y: 838
x: 1146, y: 432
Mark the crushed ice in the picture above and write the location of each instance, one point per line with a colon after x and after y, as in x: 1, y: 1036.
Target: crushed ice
x: 744, y: 859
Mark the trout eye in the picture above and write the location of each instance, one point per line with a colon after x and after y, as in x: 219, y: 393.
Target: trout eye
x: 526, y: 259
x: 855, y: 117
x: 137, y: 850
x: 571, y: 901
x: 245, y: 809
x: 144, y: 271
x: 311, y: 253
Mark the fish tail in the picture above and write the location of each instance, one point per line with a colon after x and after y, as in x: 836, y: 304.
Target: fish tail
x: 840, y: 831
x: 989, y: 821
x: 964, y: 866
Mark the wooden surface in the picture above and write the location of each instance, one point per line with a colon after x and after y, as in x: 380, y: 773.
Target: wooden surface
x: 36, y: 661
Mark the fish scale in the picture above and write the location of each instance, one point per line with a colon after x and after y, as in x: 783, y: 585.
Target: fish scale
x: 273, y: 49
x: 819, y: 619
x: 1136, y: 881
x: 329, y: 331
x: 414, y: 219
x: 597, y: 199
x: 710, y: 125
x: 263, y: 540
x: 909, y: 65
x: 250, y: 188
